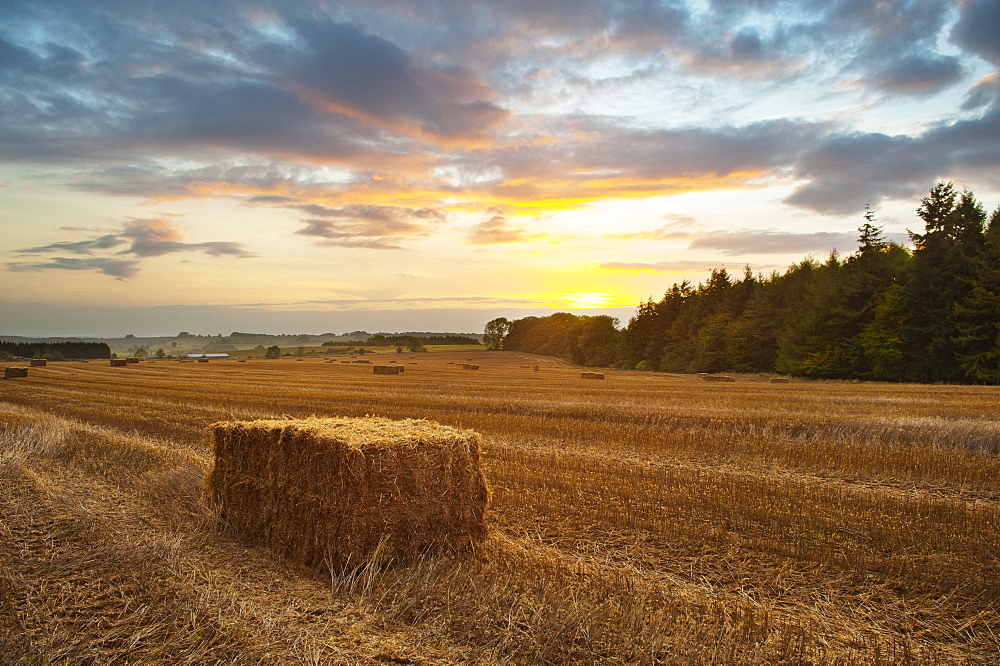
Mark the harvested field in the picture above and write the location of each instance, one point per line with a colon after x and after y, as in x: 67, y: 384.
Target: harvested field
x: 656, y: 518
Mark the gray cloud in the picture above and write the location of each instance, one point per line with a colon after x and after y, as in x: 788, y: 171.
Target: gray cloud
x: 78, y: 247
x: 145, y: 238
x: 738, y: 243
x: 668, y: 266
x: 919, y: 74
x: 267, y: 96
x: 366, y: 226
x: 977, y: 29
x: 118, y: 268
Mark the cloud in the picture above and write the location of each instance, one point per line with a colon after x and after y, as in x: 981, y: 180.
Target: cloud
x: 145, y: 238
x: 668, y: 266
x: 976, y: 29
x: 751, y: 241
x: 344, y: 71
x: 442, y: 103
x: 737, y: 243
x: 78, y: 247
x: 495, y: 230
x: 366, y: 226
x: 118, y: 268
x: 919, y: 74
x: 841, y: 172
x: 682, y: 226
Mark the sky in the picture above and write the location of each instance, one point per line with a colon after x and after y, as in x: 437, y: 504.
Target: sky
x: 298, y: 166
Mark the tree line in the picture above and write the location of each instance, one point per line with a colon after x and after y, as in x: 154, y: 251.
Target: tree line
x: 883, y: 313
x: 55, y: 351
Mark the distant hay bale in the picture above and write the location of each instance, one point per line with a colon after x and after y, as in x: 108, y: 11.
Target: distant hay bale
x: 132, y: 359
x: 203, y: 360
x: 385, y: 369
x: 335, y: 492
x: 38, y: 362
x: 400, y: 368
x: 470, y: 366
x: 779, y: 380
x: 242, y: 360
x: 118, y: 363
x: 719, y: 378
x: 591, y: 375
x: 703, y: 375
x: 11, y: 373
x: 364, y: 360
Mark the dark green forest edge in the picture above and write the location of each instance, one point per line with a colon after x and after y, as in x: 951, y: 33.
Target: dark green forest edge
x: 54, y: 351
x: 883, y: 313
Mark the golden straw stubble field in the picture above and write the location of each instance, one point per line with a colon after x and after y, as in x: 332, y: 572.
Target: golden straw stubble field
x: 647, y: 518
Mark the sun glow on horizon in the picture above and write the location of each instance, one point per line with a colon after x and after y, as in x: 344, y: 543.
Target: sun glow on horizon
x: 588, y: 300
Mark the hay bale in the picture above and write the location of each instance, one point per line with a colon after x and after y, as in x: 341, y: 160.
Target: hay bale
x: 331, y: 492
x: 591, y: 375
x: 385, y: 369
x: 470, y: 366
x: 38, y: 362
x: 779, y: 380
x: 400, y: 368
x: 203, y: 360
x: 719, y: 378
x: 132, y: 359
x: 118, y: 363
x: 242, y: 360
x: 11, y: 373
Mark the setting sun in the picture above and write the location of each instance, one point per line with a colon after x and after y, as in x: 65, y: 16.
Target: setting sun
x: 588, y: 300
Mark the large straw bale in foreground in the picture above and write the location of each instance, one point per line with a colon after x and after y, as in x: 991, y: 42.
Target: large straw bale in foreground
x: 326, y: 492
x: 11, y: 373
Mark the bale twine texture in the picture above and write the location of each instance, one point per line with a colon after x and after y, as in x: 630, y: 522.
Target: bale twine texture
x: 11, y: 373
x: 330, y: 493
